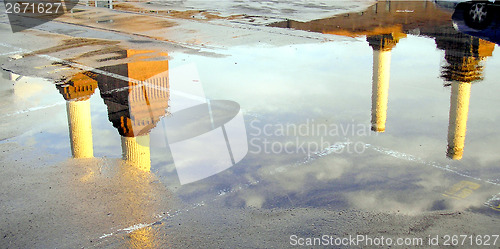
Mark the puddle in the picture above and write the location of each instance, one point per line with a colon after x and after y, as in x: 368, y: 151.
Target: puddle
x: 359, y: 121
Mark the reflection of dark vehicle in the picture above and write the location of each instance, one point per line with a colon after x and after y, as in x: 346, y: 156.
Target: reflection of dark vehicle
x: 478, y: 18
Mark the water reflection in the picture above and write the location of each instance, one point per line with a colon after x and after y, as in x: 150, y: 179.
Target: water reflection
x: 384, y: 24
x: 464, y: 55
x: 382, y: 46
x: 137, y: 96
x: 371, y: 180
x: 77, y: 93
x: 134, y: 108
x: 384, y: 17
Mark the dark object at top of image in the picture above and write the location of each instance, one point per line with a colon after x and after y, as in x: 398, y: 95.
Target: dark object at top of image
x: 478, y: 18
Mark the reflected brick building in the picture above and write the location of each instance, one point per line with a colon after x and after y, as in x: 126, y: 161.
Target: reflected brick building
x: 136, y: 95
x: 384, y: 17
x: 135, y: 106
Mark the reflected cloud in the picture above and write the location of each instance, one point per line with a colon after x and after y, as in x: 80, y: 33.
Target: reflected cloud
x: 463, y: 55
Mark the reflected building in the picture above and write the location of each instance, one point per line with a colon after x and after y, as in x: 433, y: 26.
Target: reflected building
x: 77, y: 92
x: 383, y: 17
x: 464, y: 55
x: 136, y: 106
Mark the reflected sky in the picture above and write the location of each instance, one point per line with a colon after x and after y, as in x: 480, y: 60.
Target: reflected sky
x: 404, y: 112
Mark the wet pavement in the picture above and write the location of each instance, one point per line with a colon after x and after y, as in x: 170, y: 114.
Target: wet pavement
x: 195, y: 126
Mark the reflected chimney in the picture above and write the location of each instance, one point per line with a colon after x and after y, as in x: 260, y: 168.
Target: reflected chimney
x: 382, y: 46
x: 80, y: 128
x: 464, y: 55
x: 380, y: 88
x: 77, y: 93
x: 459, y: 109
x: 136, y: 151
